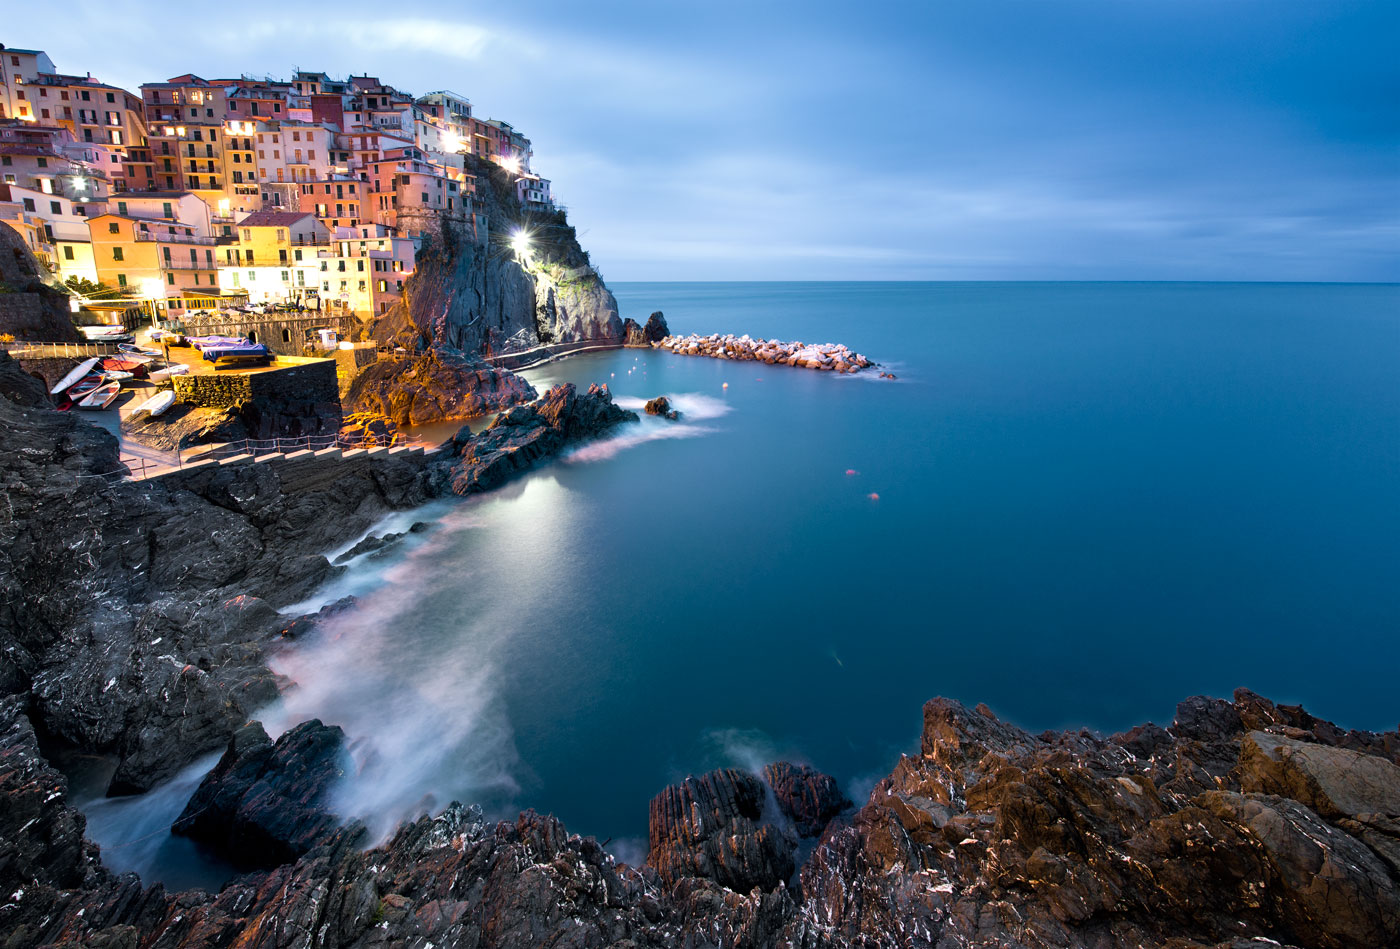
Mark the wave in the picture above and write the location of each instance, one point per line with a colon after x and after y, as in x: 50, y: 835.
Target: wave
x: 692, y: 407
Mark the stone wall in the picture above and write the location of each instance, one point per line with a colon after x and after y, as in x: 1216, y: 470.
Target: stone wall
x: 283, y: 333
x: 312, y: 381
x: 302, y: 398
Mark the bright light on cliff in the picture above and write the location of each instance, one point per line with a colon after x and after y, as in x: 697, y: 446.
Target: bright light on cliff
x: 511, y: 165
x: 520, y: 243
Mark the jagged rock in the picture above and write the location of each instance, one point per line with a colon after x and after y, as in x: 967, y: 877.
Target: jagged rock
x: 661, y: 406
x: 634, y: 334
x: 711, y: 827
x: 34, y: 310
x: 522, y: 436
x: 435, y: 385
x: 41, y: 836
x: 267, y: 803
x: 369, y: 429
x: 806, y: 795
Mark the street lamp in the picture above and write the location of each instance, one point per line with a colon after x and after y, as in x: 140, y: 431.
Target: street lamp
x: 151, y: 289
x: 520, y: 243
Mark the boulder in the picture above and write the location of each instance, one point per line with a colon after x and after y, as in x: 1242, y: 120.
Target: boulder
x: 267, y: 803
x: 371, y: 429
x: 661, y: 406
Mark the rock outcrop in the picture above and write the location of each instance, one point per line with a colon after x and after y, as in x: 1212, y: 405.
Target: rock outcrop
x: 634, y: 334
x: 30, y: 308
x: 712, y: 827
x: 267, y: 803
x: 661, y: 406
x: 521, y: 437
x: 989, y: 837
x: 369, y: 429
x: 435, y: 385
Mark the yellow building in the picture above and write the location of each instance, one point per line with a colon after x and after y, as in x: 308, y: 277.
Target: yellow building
x: 155, y: 259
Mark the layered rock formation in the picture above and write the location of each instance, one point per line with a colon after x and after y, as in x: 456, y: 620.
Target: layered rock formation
x: 518, y: 439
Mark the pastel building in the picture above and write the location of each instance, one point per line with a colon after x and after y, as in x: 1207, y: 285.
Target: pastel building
x: 164, y: 261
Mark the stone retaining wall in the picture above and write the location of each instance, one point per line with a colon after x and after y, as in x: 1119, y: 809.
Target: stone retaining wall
x: 308, y: 382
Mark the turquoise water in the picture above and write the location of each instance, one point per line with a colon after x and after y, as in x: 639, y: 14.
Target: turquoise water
x: 1093, y: 501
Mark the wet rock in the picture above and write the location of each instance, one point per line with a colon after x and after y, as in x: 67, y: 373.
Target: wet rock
x: 308, y: 624
x: 521, y: 437
x: 267, y: 803
x: 661, y: 406
x: 435, y: 385
x: 711, y: 827
x: 811, y: 799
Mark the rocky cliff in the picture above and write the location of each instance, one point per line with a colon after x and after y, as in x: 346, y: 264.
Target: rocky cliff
x: 476, y: 295
x: 30, y: 307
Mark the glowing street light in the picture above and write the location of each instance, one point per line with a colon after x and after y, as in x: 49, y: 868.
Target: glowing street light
x: 511, y: 164
x: 520, y: 243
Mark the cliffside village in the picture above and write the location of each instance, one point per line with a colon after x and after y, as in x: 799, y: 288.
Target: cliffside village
x: 201, y: 199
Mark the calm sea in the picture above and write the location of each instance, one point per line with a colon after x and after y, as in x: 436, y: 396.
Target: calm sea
x: 1079, y: 503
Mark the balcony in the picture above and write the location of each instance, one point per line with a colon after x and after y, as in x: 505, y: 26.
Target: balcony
x: 175, y: 238
x: 177, y: 264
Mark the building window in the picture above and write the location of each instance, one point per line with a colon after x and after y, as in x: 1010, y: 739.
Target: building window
x: 170, y: 279
x: 55, y: 207
x: 114, y: 228
x: 67, y: 253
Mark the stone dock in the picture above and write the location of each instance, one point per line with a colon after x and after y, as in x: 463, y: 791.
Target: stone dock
x: 831, y: 357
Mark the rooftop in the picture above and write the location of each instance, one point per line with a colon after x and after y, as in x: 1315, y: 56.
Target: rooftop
x: 275, y: 218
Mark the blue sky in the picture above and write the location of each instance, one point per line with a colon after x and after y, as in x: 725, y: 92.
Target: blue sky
x: 1135, y: 139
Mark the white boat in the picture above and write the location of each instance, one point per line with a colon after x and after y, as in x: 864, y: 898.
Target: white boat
x: 80, y: 370
x: 156, y: 404
x: 174, y: 369
x: 101, y: 397
x: 133, y: 353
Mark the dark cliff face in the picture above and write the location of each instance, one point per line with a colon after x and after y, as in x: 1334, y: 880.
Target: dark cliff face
x: 485, y: 298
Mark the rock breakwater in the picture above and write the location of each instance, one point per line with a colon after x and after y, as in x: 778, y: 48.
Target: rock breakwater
x: 830, y: 357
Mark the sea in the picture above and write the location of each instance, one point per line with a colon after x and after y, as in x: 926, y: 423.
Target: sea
x: 1078, y: 503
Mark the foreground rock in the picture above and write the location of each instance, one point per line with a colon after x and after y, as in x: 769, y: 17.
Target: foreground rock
x: 824, y: 356
x: 369, y: 429
x: 634, y: 334
x: 266, y: 803
x: 435, y: 385
x: 520, y: 438
x: 1167, y: 838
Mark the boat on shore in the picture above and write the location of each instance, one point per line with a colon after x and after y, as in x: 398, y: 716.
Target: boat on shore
x: 134, y: 353
x: 156, y: 404
x: 115, y: 364
x: 170, y: 371
x: 101, y: 397
x: 78, y: 372
x: 84, y: 386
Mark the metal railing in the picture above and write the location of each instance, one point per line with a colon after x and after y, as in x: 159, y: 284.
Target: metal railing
x: 51, y: 350
x: 174, y: 238
x: 142, y: 467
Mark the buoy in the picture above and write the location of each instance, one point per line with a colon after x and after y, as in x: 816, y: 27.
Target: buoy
x: 725, y: 386
x: 873, y: 496
x: 852, y: 471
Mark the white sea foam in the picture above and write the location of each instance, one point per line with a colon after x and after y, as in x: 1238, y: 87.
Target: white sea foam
x: 692, y: 406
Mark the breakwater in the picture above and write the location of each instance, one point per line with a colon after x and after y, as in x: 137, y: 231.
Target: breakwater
x: 832, y: 357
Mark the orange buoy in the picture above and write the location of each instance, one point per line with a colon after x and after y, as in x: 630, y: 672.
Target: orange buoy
x: 873, y: 496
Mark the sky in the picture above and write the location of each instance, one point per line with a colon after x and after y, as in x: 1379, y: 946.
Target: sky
x: 977, y: 140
